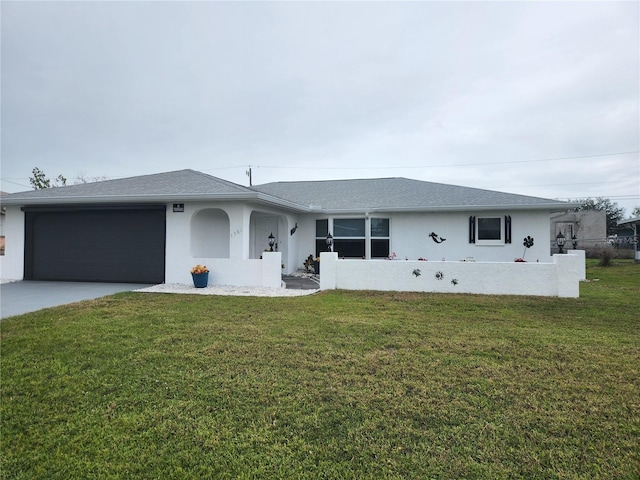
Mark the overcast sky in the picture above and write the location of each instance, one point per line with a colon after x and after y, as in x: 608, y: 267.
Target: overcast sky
x: 536, y: 98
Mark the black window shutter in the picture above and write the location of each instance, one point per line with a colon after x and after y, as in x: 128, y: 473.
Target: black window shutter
x: 507, y: 229
x: 472, y: 229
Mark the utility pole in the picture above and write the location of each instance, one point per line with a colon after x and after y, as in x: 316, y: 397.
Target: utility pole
x: 249, y: 175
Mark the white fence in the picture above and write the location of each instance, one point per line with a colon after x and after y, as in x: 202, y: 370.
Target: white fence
x: 560, y: 278
x: 266, y: 272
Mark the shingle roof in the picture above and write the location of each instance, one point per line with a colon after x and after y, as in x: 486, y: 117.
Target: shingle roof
x: 397, y: 194
x: 180, y: 182
x: 381, y: 194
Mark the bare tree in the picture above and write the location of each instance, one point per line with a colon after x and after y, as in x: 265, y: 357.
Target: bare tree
x: 82, y: 177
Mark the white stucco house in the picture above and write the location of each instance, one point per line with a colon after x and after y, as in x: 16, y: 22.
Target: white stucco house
x: 154, y: 228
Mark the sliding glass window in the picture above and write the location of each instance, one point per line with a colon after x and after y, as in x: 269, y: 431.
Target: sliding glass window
x: 379, y: 237
x: 322, y: 230
x: 349, y: 237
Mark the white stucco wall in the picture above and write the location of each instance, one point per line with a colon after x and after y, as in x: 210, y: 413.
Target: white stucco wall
x: 232, y: 268
x: 568, y: 274
x: 235, y: 272
x: 179, y: 248
x: 305, y: 237
x: 291, y: 243
x: 409, y: 236
x: 12, y: 262
x: 221, y: 241
x: 560, y: 277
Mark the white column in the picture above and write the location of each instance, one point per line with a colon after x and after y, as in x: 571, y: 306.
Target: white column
x: 567, y: 270
x: 12, y: 263
x: 328, y: 270
x: 582, y: 273
x: 271, y: 266
x: 239, y: 226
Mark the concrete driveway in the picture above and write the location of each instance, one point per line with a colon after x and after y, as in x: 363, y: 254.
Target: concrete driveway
x: 28, y: 296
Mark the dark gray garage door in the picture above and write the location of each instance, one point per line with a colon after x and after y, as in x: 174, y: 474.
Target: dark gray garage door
x: 110, y: 244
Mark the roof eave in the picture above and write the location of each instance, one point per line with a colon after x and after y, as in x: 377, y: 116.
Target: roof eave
x: 268, y: 200
x: 629, y: 221
x: 553, y: 207
x: 115, y: 199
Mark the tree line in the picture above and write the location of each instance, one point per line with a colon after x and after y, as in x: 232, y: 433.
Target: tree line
x: 613, y: 212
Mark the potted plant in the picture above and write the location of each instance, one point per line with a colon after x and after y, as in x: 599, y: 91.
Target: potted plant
x: 200, y: 276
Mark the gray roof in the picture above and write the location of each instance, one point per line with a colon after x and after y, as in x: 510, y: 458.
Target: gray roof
x: 169, y: 183
x: 398, y: 194
x: 161, y: 187
x: 630, y: 221
x: 364, y: 195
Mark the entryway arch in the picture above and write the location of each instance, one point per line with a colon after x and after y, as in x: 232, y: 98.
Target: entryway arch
x: 210, y: 233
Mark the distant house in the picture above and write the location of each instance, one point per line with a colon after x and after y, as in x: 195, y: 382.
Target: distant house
x: 633, y: 239
x: 153, y: 228
x: 589, y: 227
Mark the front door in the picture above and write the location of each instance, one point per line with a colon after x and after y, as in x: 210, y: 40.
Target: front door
x: 264, y: 227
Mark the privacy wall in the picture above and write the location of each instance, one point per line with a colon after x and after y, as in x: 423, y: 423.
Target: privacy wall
x: 559, y: 278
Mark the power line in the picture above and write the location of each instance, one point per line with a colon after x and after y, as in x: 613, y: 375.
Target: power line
x: 16, y: 183
x: 567, y: 184
x: 441, y: 165
x: 438, y: 165
x: 316, y: 167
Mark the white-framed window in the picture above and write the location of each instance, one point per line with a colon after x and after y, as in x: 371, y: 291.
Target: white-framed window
x: 349, y: 237
x: 380, y: 237
x: 355, y: 237
x: 322, y: 230
x: 490, y: 229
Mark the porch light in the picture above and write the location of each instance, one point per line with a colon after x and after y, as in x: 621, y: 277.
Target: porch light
x: 272, y: 242
x: 560, y: 242
x: 574, y: 241
x: 329, y: 241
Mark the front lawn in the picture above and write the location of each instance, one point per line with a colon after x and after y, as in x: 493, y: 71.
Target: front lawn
x: 336, y: 385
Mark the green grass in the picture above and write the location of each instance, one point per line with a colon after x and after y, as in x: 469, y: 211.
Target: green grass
x: 336, y: 385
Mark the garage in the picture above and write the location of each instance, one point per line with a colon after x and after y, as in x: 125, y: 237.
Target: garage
x: 124, y: 244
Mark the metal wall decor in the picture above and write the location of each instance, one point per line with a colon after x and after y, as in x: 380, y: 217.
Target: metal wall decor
x: 436, y: 238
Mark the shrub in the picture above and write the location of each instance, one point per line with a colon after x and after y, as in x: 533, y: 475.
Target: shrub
x: 605, y: 255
